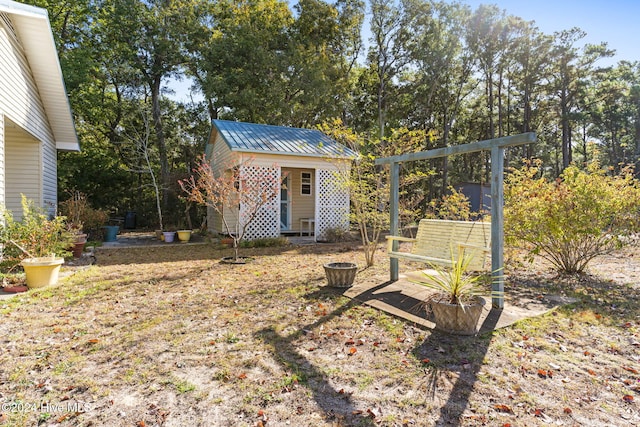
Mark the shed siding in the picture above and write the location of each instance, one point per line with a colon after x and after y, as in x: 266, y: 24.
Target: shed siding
x: 287, y: 161
x: 214, y: 221
x: 22, y: 173
x: 219, y: 159
x: 222, y: 155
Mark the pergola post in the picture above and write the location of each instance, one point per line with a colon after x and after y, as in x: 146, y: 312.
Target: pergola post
x: 394, y: 206
x: 497, y: 227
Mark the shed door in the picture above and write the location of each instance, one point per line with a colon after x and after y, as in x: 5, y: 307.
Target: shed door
x: 285, y: 203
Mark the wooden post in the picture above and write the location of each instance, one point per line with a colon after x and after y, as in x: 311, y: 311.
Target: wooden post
x: 394, y: 204
x: 497, y: 227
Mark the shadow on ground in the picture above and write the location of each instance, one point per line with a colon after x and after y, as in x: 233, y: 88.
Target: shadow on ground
x: 338, y: 407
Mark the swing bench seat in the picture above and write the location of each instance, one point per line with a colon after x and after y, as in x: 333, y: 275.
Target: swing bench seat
x: 437, y: 239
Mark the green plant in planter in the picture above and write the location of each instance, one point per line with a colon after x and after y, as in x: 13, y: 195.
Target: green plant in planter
x: 34, y: 236
x: 453, y: 284
x: 81, y: 217
x: 457, y: 303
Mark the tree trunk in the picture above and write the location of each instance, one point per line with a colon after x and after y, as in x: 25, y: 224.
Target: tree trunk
x: 162, y: 145
x: 566, y: 131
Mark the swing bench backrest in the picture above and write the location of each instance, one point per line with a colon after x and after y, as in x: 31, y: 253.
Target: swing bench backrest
x: 439, y: 242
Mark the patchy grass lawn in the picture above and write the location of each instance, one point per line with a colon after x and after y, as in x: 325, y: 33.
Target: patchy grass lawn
x: 168, y: 336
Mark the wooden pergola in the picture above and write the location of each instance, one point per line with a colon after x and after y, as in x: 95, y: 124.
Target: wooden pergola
x: 496, y: 146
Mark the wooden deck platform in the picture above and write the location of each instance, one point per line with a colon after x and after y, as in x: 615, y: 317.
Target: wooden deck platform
x: 404, y: 299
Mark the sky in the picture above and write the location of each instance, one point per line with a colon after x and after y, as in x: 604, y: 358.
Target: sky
x: 616, y: 22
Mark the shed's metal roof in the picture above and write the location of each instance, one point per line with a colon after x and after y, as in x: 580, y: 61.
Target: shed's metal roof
x: 257, y: 138
x: 33, y: 28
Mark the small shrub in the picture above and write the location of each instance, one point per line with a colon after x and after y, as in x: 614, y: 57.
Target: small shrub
x: 34, y: 236
x: 573, y: 219
x: 81, y: 215
x: 337, y: 234
x: 267, y: 242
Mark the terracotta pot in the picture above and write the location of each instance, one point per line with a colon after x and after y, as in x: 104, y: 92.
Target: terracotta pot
x: 80, y: 238
x: 455, y: 318
x: 78, y: 248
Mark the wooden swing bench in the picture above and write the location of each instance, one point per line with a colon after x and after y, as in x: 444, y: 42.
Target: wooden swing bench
x: 436, y: 239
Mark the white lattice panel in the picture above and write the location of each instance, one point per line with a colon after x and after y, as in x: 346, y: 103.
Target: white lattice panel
x: 332, y: 205
x: 267, y: 219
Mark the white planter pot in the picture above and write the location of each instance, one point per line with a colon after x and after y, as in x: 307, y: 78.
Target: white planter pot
x: 456, y: 319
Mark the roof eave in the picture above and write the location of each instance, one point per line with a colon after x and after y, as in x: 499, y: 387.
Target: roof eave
x: 34, y: 30
x: 284, y: 153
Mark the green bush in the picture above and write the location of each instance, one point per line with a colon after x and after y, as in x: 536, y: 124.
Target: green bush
x: 573, y: 219
x: 34, y: 236
x: 337, y: 234
x: 266, y: 242
x: 452, y: 206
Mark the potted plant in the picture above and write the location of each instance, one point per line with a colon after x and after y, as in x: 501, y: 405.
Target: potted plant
x: 74, y: 209
x: 169, y: 235
x: 456, y: 304
x: 340, y: 274
x: 36, y: 242
x: 184, y: 236
x: 83, y: 220
x: 79, y: 239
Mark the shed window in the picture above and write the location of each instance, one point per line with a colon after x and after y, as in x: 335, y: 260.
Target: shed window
x: 305, y: 183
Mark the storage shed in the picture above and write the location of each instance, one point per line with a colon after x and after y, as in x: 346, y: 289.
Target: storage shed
x: 308, y: 162
x: 35, y: 117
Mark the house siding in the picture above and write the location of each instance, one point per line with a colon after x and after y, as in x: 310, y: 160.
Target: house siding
x: 21, y: 103
x: 22, y: 176
x: 2, y: 162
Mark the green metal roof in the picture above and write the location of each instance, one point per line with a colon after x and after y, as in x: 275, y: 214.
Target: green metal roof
x: 257, y: 138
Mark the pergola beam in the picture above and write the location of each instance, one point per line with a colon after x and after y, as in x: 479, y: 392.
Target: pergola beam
x: 496, y: 147
x: 505, y: 141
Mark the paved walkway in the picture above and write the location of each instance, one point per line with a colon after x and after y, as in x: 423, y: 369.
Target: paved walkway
x: 136, y: 239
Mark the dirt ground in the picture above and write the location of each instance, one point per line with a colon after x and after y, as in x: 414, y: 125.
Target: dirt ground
x: 169, y: 336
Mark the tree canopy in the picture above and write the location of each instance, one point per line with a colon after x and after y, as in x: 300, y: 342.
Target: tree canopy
x: 384, y: 68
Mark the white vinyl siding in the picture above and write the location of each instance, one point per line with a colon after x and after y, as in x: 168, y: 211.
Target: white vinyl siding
x: 34, y: 149
x: 19, y: 98
x: 221, y: 156
x: 22, y: 174
x: 2, y: 162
